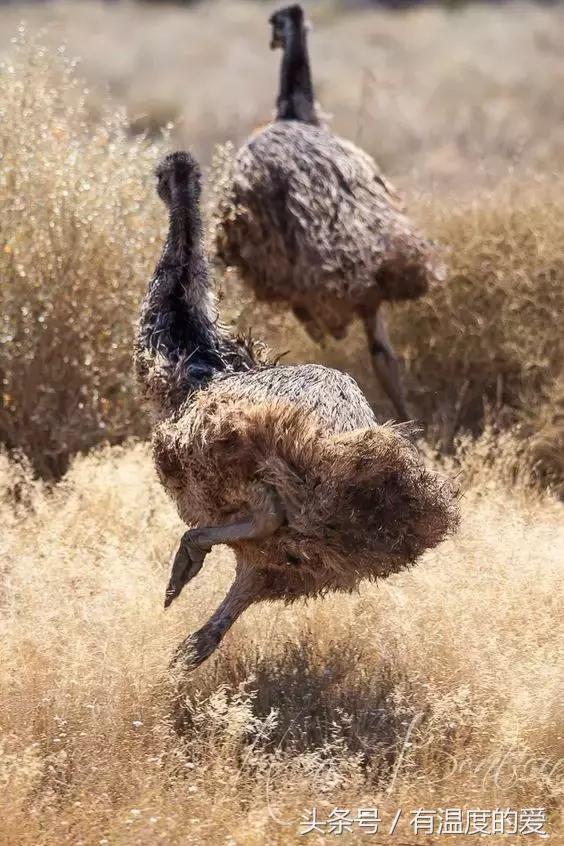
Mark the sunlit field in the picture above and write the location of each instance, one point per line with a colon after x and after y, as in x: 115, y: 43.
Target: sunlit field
x: 439, y: 688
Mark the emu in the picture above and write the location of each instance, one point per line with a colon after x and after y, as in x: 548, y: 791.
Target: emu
x: 285, y: 464
x: 311, y: 225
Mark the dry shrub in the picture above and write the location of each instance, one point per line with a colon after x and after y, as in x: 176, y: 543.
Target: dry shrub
x: 490, y: 341
x: 439, y: 687
x: 544, y: 428
x: 79, y: 227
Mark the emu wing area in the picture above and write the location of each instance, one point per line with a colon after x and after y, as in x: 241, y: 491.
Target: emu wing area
x: 333, y: 396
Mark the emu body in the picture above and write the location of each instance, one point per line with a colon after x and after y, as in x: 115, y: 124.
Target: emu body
x: 312, y: 225
x: 285, y: 464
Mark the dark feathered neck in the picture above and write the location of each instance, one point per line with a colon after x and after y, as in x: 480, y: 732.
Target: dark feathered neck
x: 185, y: 230
x: 296, y: 100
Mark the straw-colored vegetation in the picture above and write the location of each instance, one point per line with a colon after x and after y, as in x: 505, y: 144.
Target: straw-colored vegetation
x: 490, y: 340
x: 440, y: 687
x: 78, y: 231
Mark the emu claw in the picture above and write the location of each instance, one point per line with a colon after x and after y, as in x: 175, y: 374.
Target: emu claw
x: 187, y: 564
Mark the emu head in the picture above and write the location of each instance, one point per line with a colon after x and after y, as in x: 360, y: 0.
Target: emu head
x: 179, y: 179
x: 284, y: 22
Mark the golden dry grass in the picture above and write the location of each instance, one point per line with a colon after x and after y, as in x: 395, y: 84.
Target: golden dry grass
x: 441, y: 687
x: 490, y: 339
x: 80, y: 227
x: 544, y: 429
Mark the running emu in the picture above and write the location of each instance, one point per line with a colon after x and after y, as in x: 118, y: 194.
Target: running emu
x: 309, y: 221
x: 285, y: 464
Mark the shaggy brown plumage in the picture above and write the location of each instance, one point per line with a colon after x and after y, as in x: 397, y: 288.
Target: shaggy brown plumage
x: 356, y: 504
x: 286, y: 464
x: 309, y: 221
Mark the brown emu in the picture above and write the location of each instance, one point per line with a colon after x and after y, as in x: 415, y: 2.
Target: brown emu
x: 309, y: 221
x: 285, y: 464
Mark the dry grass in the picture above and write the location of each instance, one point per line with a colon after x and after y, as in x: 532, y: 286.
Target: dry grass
x: 544, y: 428
x: 80, y: 227
x: 490, y: 339
x: 441, y: 687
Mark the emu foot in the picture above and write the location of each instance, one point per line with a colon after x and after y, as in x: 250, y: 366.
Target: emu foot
x: 197, y: 647
x: 187, y: 564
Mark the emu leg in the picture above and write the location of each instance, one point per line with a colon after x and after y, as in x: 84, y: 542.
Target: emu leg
x: 385, y: 362
x: 196, y: 543
x: 199, y: 646
x: 310, y: 324
x: 194, y: 546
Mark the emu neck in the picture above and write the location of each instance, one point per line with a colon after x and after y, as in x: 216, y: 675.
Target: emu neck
x: 185, y: 231
x: 184, y: 253
x: 296, y: 100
